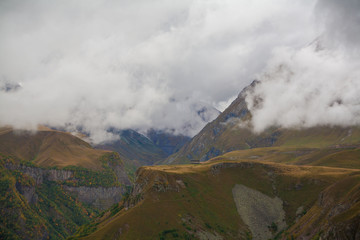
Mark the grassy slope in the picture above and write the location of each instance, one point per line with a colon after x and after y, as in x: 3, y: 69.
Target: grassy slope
x: 205, y: 202
x: 48, y: 148
x: 341, y: 157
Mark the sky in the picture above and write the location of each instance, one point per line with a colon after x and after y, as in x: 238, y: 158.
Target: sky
x: 155, y: 64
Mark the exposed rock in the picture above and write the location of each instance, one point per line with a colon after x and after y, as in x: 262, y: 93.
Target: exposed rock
x: 99, y: 197
x: 299, y: 213
x: 265, y: 216
x: 205, y: 235
x: 28, y: 192
x: 40, y: 174
x: 121, y: 175
x: 215, y: 169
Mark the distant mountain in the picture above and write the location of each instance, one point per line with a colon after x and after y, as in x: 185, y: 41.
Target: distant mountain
x: 135, y: 148
x: 167, y: 141
x: 51, y: 182
x: 206, y: 112
x: 139, y: 150
x: 229, y: 132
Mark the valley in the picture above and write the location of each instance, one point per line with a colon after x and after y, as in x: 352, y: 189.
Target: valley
x: 180, y: 120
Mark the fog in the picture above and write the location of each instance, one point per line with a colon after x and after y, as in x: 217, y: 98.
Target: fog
x: 140, y: 64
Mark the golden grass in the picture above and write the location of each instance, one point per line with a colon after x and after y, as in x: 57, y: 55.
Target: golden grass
x: 49, y: 148
x: 207, y: 198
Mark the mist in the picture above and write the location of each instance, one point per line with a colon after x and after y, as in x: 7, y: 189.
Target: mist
x: 95, y: 65
x: 318, y: 84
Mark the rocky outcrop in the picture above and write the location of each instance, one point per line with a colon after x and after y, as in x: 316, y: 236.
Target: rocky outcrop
x: 216, y: 168
x: 99, y: 197
x: 121, y: 175
x: 149, y: 180
x: 264, y: 215
x: 335, y: 215
x: 41, y: 174
x: 28, y: 192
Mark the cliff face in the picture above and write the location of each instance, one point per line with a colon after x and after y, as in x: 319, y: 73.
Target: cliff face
x: 52, y: 182
x: 41, y: 174
x: 100, y: 197
x: 55, y: 202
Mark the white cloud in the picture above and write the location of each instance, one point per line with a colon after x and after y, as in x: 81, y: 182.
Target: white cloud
x: 137, y: 64
x: 318, y: 84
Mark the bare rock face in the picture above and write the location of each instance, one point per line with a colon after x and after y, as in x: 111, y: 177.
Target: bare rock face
x: 40, y: 174
x: 28, y: 192
x: 264, y: 215
x: 99, y: 197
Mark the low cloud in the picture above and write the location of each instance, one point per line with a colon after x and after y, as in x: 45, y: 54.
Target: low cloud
x: 141, y: 64
x: 318, y: 84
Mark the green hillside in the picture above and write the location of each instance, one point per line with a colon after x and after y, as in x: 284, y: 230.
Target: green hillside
x: 210, y: 201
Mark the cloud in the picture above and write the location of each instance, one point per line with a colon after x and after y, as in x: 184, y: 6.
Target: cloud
x: 137, y: 64
x: 318, y: 84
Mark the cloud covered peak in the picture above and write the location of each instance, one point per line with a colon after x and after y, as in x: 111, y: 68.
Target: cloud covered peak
x: 142, y: 64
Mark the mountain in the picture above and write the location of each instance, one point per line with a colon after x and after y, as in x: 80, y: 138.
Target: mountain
x: 230, y: 131
x: 278, y: 184
x: 139, y: 150
x: 52, y: 182
x: 135, y: 149
x: 237, y: 196
x: 47, y: 148
x: 168, y: 142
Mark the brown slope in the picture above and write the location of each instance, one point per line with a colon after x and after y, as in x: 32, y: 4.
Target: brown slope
x: 198, y: 202
x: 48, y: 148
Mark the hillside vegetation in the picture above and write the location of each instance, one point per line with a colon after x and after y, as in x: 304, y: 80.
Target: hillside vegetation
x: 200, y: 202
x: 51, y: 183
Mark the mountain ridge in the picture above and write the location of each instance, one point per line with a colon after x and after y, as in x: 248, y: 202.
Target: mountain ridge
x: 231, y: 130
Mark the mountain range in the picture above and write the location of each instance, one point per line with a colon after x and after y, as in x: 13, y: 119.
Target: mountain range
x: 281, y: 183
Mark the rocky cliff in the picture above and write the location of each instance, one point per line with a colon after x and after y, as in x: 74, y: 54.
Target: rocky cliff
x: 101, y: 197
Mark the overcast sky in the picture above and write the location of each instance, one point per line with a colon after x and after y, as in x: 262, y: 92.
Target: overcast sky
x: 153, y: 64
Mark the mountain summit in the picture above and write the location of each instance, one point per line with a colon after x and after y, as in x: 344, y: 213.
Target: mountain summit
x: 232, y: 130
